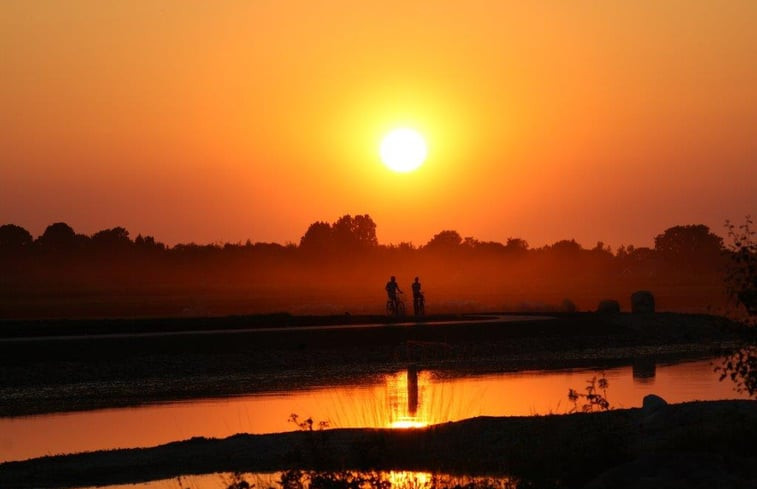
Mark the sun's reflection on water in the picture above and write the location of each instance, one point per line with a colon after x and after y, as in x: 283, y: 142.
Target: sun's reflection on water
x: 409, y: 398
x: 406, y: 479
x: 408, y: 423
x: 394, y: 479
x: 405, y: 396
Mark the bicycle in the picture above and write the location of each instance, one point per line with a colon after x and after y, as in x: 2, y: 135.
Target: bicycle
x: 395, y: 308
x: 419, y: 305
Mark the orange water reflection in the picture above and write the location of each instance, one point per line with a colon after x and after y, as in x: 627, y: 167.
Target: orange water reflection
x: 404, y: 391
x: 395, y: 479
x: 407, y: 398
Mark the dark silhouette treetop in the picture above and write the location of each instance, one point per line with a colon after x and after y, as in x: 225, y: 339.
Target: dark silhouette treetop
x: 688, y: 244
x: 566, y: 247
x: 13, y: 237
x: 317, y: 237
x: 358, y: 231
x: 516, y: 245
x: 111, y: 239
x: 347, y: 233
x: 445, y: 240
x: 148, y: 242
x: 58, y: 236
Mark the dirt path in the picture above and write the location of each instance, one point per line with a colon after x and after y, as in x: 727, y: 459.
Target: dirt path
x: 473, y: 320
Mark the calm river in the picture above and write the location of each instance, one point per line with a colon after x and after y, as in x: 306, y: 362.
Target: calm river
x: 406, y: 398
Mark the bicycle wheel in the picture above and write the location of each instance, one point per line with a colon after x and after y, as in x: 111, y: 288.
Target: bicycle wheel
x: 389, y: 308
x: 400, y: 308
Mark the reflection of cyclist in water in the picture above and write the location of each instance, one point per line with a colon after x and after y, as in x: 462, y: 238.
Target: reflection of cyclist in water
x: 392, y: 287
x: 417, y: 297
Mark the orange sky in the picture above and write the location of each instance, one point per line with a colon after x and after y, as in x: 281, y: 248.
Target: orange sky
x: 221, y: 121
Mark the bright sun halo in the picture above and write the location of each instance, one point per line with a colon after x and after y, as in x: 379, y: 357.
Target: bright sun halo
x: 403, y: 150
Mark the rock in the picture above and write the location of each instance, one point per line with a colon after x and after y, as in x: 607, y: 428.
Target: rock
x: 642, y: 301
x: 608, y: 306
x: 652, y: 403
x: 655, y: 414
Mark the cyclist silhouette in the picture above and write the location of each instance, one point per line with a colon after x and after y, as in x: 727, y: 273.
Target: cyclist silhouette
x: 418, y: 306
x: 392, y: 287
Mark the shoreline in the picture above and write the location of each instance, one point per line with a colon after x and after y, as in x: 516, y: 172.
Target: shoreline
x: 571, y: 449
x: 53, y: 376
x: 135, y: 393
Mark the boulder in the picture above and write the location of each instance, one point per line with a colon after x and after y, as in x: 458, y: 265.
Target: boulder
x: 608, y: 306
x: 642, y: 301
x: 655, y: 414
x: 652, y: 403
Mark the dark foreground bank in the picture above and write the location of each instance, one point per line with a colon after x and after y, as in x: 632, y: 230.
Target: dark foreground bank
x: 698, y: 444
x: 106, y: 364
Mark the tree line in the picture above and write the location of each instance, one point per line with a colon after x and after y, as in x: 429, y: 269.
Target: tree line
x: 691, y: 245
x: 342, y: 262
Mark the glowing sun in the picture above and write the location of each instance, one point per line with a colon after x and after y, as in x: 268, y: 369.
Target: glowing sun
x: 403, y: 150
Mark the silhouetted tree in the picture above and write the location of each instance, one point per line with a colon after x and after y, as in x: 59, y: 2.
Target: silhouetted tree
x: 638, y: 261
x: 566, y: 247
x: 692, y: 245
x: 445, y: 241
x: 516, y: 245
x: 14, y: 237
x: 149, y: 243
x: 355, y: 232
x: 489, y: 247
x: 404, y: 246
x: 346, y: 234
x: 741, y: 279
x: 602, y: 249
x: 741, y: 283
x: 111, y: 239
x: 624, y: 251
x: 81, y: 241
x: 318, y: 237
x: 58, y: 236
x: 471, y: 242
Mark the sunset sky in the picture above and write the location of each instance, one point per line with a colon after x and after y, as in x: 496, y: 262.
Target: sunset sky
x: 221, y: 121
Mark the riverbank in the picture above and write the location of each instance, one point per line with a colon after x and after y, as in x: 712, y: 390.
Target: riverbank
x: 204, y: 360
x: 697, y: 444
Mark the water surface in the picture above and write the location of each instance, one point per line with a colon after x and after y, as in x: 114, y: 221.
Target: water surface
x: 406, y: 398
x: 386, y: 479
